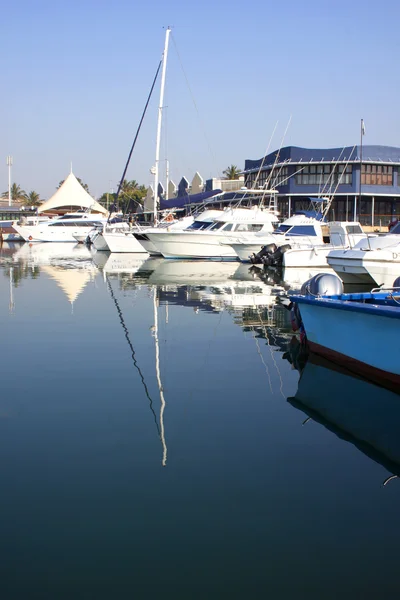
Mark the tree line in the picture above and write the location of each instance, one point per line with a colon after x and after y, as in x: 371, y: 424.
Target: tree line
x: 130, y: 197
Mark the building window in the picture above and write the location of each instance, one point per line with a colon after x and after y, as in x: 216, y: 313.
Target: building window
x: 376, y: 174
x: 279, y: 176
x: 325, y: 175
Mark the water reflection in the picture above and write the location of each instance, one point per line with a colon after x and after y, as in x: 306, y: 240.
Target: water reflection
x: 355, y: 410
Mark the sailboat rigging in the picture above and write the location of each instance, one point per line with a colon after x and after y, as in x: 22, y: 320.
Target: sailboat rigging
x: 136, y: 137
x: 163, y: 64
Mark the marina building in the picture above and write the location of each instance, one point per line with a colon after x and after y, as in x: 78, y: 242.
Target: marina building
x: 363, y: 181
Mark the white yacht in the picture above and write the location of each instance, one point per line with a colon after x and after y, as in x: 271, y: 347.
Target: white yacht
x: 300, y: 250
x: 61, y: 229
x: 373, y: 260
x: 299, y: 229
x: 211, y: 242
x: 341, y: 234
x: 135, y: 239
x: 204, y: 220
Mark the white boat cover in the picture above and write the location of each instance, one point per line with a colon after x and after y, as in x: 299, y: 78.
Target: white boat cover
x: 71, y: 193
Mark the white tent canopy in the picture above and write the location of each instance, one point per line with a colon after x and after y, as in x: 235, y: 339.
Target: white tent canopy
x: 71, y: 193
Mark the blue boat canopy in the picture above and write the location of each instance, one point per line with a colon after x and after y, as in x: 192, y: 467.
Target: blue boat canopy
x: 313, y: 214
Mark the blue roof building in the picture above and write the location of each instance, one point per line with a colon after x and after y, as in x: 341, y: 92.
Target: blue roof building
x: 363, y: 181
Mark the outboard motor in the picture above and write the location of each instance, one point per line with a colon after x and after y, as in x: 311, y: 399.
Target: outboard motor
x: 320, y: 285
x: 277, y: 256
x: 258, y: 259
x: 323, y: 284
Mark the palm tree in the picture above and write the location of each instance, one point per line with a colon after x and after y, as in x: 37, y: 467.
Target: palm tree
x: 232, y: 172
x: 17, y: 193
x: 33, y: 199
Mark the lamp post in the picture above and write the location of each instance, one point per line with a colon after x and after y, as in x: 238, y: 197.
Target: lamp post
x: 9, y: 165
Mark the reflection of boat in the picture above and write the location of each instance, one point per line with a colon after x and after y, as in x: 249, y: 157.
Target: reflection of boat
x: 56, y: 253
x: 354, y: 409
x: 185, y: 272
x: 289, y: 278
x: 118, y: 263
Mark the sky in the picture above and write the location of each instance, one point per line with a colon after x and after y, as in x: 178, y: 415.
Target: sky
x: 242, y: 80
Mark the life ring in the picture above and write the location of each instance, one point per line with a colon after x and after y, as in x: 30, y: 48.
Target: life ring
x: 394, y: 255
x: 169, y: 218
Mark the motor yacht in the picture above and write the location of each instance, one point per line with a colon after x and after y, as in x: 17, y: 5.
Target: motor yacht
x: 210, y: 242
x: 299, y: 229
x: 195, y: 223
x: 61, y: 229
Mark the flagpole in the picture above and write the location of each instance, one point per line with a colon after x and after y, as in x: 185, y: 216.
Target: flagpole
x: 361, y: 157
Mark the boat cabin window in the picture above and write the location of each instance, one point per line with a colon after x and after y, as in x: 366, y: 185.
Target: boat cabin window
x: 228, y: 227
x: 65, y: 217
x: 75, y: 224
x: 354, y: 229
x: 217, y: 225
x: 199, y: 225
x: 282, y: 228
x: 249, y: 227
x: 302, y: 230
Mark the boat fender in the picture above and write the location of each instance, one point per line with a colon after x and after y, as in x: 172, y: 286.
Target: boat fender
x: 295, y: 317
x: 30, y: 238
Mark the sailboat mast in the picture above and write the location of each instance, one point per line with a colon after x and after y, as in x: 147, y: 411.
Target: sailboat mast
x: 160, y: 108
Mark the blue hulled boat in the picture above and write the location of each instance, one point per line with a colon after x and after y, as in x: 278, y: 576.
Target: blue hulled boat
x: 360, y: 331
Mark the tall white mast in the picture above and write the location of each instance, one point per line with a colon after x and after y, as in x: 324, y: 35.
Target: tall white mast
x: 9, y: 165
x: 160, y: 108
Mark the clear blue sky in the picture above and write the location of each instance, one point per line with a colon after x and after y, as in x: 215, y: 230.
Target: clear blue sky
x: 76, y: 74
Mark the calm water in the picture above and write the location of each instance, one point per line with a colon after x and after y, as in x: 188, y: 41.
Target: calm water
x: 156, y: 439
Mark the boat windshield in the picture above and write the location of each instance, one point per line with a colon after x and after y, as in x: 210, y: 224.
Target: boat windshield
x: 282, y: 228
x: 308, y: 230
x: 356, y: 229
x: 199, y: 225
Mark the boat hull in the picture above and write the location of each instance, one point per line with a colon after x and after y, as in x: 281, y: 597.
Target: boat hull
x: 314, y: 256
x: 52, y: 234
x: 380, y: 267
x: 342, y: 332
x: 191, y: 245
x: 122, y: 242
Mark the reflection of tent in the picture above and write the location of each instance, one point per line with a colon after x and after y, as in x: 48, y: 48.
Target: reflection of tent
x: 71, y: 281
x: 71, y: 193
